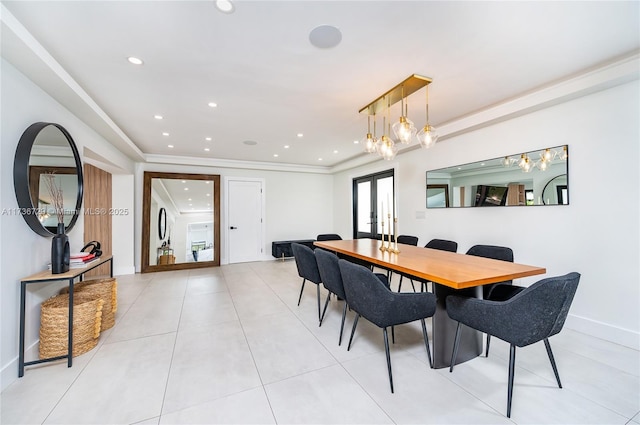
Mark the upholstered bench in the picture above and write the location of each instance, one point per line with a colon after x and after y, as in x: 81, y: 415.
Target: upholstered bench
x: 282, y: 249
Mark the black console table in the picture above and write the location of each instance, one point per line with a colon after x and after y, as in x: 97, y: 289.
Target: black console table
x: 282, y: 249
x: 47, y: 276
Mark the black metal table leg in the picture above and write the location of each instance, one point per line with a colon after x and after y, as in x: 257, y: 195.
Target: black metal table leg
x: 70, y: 347
x: 23, y: 290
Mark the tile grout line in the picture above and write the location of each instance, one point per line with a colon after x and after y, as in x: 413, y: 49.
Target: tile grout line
x: 244, y: 334
x: 173, y: 351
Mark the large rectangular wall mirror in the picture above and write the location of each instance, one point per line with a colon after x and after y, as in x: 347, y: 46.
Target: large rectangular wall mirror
x: 181, y: 221
x: 523, y: 179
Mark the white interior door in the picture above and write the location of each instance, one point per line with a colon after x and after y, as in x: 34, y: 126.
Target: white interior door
x: 244, y: 219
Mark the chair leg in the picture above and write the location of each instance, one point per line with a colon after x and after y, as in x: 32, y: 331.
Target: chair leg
x: 412, y: 285
x: 553, y: 361
x: 386, y: 350
x: 393, y: 334
x: 324, y: 310
x: 456, y: 342
x: 400, y: 284
x: 512, y: 364
x: 426, y: 342
x: 344, y: 314
x: 301, y: 289
x: 353, y: 330
x: 486, y: 354
x: 319, y: 315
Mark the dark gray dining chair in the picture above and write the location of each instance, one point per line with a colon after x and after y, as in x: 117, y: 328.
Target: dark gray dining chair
x: 332, y: 281
x: 329, y: 237
x: 533, y: 314
x: 497, y: 253
x: 307, y: 269
x: 407, y: 240
x: 442, y: 245
x: 371, y: 299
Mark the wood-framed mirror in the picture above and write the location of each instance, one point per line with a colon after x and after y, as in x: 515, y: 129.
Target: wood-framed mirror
x: 189, y: 207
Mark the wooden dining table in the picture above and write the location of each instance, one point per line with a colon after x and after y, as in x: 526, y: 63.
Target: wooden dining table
x: 451, y: 274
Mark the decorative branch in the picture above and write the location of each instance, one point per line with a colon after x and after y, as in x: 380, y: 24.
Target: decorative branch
x: 55, y: 192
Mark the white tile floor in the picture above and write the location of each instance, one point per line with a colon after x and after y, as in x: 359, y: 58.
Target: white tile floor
x: 230, y: 345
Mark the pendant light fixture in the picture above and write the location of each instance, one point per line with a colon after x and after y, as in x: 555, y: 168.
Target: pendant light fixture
x: 404, y: 130
x: 427, y: 136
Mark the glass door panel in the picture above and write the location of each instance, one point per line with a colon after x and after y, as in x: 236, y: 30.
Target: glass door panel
x: 371, y: 194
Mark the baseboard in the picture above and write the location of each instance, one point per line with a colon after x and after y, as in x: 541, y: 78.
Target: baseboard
x: 9, y: 372
x: 617, y: 335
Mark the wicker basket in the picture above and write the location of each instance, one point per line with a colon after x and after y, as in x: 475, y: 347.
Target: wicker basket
x: 54, y: 324
x: 107, y: 290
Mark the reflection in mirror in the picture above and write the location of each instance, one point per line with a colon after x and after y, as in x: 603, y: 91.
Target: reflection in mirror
x: 511, y: 180
x: 437, y: 196
x: 162, y: 223
x: 45, y: 150
x: 556, y: 191
x: 186, y: 207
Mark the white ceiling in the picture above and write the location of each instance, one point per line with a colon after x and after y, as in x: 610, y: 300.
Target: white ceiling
x: 270, y: 83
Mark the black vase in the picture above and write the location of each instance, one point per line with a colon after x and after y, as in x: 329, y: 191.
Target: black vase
x: 60, y: 251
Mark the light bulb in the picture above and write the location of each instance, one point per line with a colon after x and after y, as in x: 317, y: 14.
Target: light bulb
x: 565, y: 154
x: 387, y: 148
x: 547, y: 155
x: 369, y: 143
x: 542, y: 165
x: 523, y: 160
x: 404, y: 130
x: 427, y: 136
x: 506, y: 161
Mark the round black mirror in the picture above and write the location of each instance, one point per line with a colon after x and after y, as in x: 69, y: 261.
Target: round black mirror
x: 47, y: 152
x: 162, y: 223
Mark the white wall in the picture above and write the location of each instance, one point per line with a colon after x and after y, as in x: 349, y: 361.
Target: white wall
x: 298, y: 205
x: 597, y: 235
x: 23, y: 251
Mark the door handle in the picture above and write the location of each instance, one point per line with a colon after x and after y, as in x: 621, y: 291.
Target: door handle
x: 233, y: 227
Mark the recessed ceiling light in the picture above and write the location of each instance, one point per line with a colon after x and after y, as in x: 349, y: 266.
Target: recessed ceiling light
x: 186, y: 188
x: 225, y: 6
x: 207, y: 182
x: 325, y: 36
x: 275, y: 155
x: 184, y: 181
x: 170, y: 146
x: 158, y: 117
x: 335, y: 151
x: 165, y: 134
x: 250, y: 142
x: 188, y: 199
x: 208, y: 194
x: 213, y: 104
x: 356, y: 142
x: 208, y: 139
x: 319, y: 159
x: 207, y: 149
x: 300, y: 134
x: 286, y: 146
x: 135, y: 60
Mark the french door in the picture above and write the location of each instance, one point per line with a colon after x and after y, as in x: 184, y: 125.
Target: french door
x: 372, y: 194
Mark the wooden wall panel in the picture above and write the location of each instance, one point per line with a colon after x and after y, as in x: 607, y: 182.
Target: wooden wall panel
x: 97, y: 212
